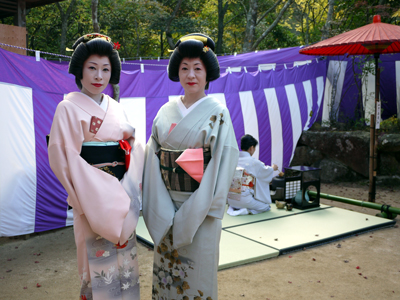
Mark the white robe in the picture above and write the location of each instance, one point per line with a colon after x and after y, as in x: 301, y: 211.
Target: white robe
x: 186, y: 227
x: 257, y: 200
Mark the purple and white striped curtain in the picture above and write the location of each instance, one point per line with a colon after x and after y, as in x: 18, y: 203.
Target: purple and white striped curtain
x: 274, y: 106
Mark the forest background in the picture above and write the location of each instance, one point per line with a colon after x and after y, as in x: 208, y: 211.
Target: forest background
x: 149, y: 28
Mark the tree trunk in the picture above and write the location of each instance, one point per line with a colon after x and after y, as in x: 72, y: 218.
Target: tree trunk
x: 64, y: 21
x: 272, y: 26
x: 167, y: 27
x: 325, y: 30
x: 95, y: 21
x: 222, y: 9
x: 251, y: 21
x: 137, y: 38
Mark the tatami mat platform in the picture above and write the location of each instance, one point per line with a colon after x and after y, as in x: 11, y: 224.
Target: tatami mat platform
x: 251, y: 238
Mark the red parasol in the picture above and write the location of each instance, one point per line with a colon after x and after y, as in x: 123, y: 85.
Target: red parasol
x: 375, y: 38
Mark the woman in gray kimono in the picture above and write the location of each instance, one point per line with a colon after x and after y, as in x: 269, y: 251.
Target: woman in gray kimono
x: 183, y: 212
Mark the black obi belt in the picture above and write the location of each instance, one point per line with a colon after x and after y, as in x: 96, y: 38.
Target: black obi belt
x: 174, y: 177
x: 108, y: 157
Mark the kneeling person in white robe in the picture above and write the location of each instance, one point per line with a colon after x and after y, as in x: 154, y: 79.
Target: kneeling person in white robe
x: 257, y: 199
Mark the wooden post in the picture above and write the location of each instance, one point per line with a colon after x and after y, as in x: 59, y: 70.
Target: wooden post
x: 371, y: 194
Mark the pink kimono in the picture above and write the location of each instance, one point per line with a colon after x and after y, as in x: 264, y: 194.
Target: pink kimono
x: 105, y: 210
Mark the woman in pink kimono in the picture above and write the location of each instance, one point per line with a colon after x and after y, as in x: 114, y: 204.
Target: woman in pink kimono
x: 92, y: 151
x: 189, y: 163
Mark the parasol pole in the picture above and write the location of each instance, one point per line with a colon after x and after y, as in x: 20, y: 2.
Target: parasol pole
x: 374, y: 125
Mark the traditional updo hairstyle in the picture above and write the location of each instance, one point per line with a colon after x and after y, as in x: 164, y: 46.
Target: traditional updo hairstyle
x: 89, y: 44
x: 194, y: 45
x: 247, y: 141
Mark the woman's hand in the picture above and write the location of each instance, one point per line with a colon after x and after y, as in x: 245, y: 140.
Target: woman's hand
x: 275, y: 167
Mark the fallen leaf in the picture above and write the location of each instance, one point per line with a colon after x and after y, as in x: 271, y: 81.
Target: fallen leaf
x: 357, y: 267
x: 2, y: 277
x: 314, y: 259
x: 289, y: 282
x: 25, y: 287
x: 365, y: 277
x: 55, y: 270
x: 38, y: 285
x: 275, y: 239
x: 290, y: 256
x: 36, y: 262
x: 317, y: 235
x: 9, y: 259
x: 241, y: 295
x: 16, y: 247
x: 370, y: 236
x: 8, y: 271
x: 360, y: 274
x: 319, y: 281
x: 346, y: 261
x: 366, y: 219
x: 338, y: 246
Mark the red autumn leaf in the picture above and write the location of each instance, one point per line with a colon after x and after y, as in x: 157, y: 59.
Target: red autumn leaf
x: 290, y: 256
x: 365, y: 277
x: 36, y: 261
x: 357, y: 267
x: 319, y: 281
x: 289, y: 282
x: 16, y: 247
x: 8, y: 271
x: 25, y: 287
x: 360, y: 274
x: 38, y: 285
x: 9, y: 259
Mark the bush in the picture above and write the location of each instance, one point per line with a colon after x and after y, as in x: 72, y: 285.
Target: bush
x: 391, y: 125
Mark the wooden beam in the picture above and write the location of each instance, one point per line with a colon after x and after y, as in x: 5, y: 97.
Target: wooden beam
x: 8, y: 6
x: 9, y: 10
x: 8, y: 2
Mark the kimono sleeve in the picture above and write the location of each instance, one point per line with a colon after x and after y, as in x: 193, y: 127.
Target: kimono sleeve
x: 263, y: 178
x: 158, y: 208
x: 92, y: 192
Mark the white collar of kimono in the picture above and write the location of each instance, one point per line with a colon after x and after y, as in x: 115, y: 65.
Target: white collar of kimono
x: 104, y: 103
x: 244, y: 154
x: 184, y: 110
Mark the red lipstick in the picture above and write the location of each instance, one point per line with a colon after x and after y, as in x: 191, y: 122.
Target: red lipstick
x: 191, y: 83
x: 97, y: 84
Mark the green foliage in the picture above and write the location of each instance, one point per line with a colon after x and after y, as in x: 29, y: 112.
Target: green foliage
x: 140, y: 25
x: 391, y: 125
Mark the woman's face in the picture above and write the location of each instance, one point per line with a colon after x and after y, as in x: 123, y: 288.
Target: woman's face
x: 192, y: 75
x: 96, y: 75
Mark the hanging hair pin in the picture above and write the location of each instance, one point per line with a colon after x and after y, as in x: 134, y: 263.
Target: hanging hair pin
x: 116, y: 46
x: 206, y: 49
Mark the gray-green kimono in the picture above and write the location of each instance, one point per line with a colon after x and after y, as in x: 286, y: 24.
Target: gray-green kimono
x: 186, y: 227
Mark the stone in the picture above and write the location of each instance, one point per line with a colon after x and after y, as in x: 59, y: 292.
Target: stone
x: 305, y: 156
x: 335, y: 171
x: 349, y: 148
x: 388, y: 164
